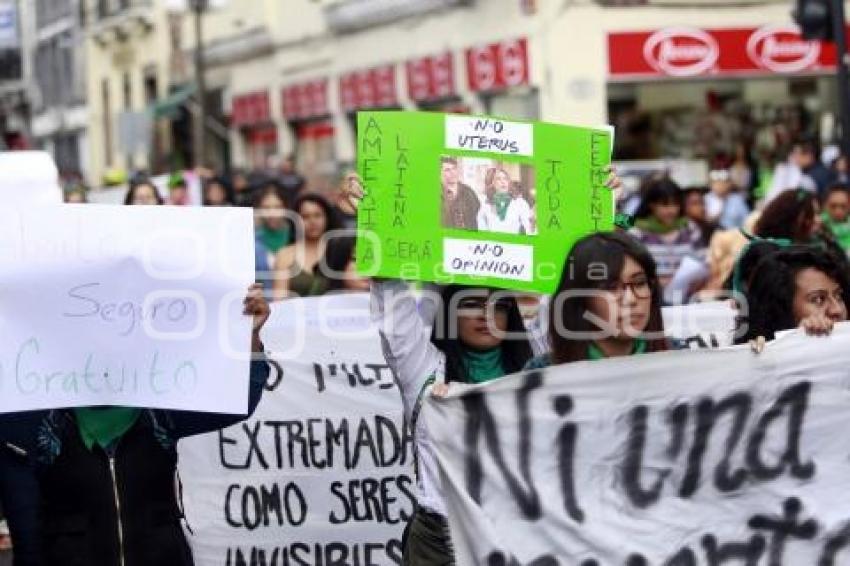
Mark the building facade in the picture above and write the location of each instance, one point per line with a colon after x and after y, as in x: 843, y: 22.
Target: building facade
x: 60, y: 119
x: 108, y: 85
x: 291, y: 76
x: 128, y: 50
x: 17, y: 36
x: 691, y: 79
x: 681, y: 78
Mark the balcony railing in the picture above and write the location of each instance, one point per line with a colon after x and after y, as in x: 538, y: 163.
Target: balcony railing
x: 116, y: 19
x: 106, y: 9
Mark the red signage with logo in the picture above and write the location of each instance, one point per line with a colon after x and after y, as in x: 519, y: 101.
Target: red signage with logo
x: 372, y: 88
x: 306, y: 100
x: 431, y: 78
x: 498, y: 66
x: 694, y: 52
x: 251, y: 109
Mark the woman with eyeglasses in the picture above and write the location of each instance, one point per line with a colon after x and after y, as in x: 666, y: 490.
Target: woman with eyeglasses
x: 608, y: 303
x: 478, y: 335
x: 794, y: 287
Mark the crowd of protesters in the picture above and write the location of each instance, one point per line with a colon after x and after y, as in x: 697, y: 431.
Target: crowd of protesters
x: 790, y: 272
x: 701, y: 230
x: 784, y: 254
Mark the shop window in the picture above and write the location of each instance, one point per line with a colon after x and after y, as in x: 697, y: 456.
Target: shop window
x: 518, y: 105
x: 802, y: 88
x: 454, y: 105
x: 315, y: 157
x: 127, y: 90
x: 106, y: 102
x: 151, y: 85
x: 260, y: 145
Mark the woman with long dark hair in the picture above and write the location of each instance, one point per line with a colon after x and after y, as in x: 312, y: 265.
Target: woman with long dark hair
x: 478, y: 335
x: 217, y: 192
x: 337, y: 270
x: 793, y: 215
x: 274, y: 229
x: 469, y: 344
x: 796, y: 286
x: 662, y: 227
x: 608, y: 303
x: 142, y: 192
x: 294, y: 265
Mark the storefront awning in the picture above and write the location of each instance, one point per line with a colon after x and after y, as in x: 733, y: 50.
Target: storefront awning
x: 169, y: 106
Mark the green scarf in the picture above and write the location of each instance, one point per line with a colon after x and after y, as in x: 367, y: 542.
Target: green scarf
x: 595, y: 353
x: 653, y: 225
x: 273, y: 239
x: 484, y: 366
x: 104, y: 426
x: 502, y: 201
x: 841, y: 231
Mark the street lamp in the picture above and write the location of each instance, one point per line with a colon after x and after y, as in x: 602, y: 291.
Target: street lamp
x: 198, y: 8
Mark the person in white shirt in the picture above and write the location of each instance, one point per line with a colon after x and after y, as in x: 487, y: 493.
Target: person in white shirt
x: 501, y: 212
x: 725, y: 206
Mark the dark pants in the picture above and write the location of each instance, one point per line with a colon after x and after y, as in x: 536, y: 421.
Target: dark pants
x: 427, y: 541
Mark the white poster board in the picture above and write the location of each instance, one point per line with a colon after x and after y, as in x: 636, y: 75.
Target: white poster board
x: 685, y: 458
x: 28, y: 178
x: 322, y: 472
x: 133, y: 306
x: 700, y: 325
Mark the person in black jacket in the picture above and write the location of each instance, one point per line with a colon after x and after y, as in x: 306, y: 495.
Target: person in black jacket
x: 460, y: 205
x: 107, y: 475
x: 19, y: 485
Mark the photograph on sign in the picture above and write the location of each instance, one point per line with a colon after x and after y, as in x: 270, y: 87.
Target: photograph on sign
x: 514, y: 196
x: 502, y: 192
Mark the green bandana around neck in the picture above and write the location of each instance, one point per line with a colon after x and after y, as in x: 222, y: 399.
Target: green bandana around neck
x: 104, y: 426
x: 595, y: 353
x: 841, y: 230
x: 274, y: 240
x: 653, y: 225
x: 502, y: 201
x: 484, y: 366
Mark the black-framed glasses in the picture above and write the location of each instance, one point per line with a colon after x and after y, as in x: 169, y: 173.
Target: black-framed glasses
x: 474, y: 306
x: 640, y: 288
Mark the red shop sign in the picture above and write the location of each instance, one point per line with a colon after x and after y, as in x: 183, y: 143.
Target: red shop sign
x: 306, y: 100
x: 497, y: 66
x: 693, y: 52
x: 431, y: 78
x: 372, y: 88
x: 251, y: 109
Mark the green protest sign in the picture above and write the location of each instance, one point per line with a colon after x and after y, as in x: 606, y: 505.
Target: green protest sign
x: 477, y: 200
